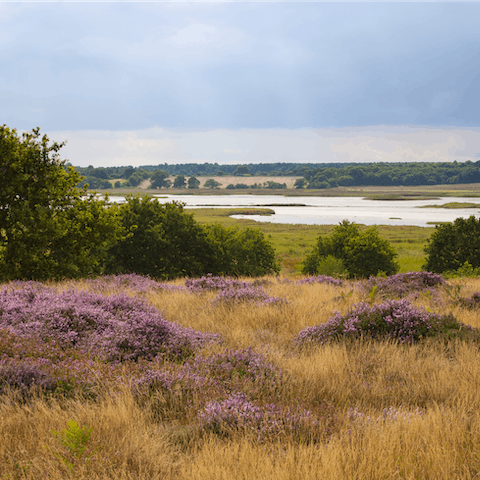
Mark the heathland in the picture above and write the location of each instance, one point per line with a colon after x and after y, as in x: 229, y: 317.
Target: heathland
x: 272, y: 378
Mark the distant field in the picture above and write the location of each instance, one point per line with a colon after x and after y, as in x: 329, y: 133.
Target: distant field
x: 293, y: 242
x: 374, y: 192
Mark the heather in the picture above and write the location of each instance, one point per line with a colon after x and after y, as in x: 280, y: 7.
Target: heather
x: 129, y: 377
x: 404, y: 284
x: 397, y: 320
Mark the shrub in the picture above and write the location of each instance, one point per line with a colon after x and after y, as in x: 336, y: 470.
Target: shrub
x: 238, y: 414
x: 118, y: 327
x: 402, y: 284
x: 453, y: 244
x: 393, y: 319
x: 235, y: 295
x: 362, y: 254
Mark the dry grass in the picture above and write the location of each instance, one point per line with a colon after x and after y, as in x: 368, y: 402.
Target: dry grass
x: 433, y: 386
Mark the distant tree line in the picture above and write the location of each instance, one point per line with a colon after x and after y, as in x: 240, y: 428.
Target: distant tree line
x: 393, y: 174
x: 313, y: 176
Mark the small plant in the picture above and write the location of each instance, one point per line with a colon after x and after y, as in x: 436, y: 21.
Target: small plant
x: 75, y: 441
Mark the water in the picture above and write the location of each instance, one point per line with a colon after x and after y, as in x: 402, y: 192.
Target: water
x: 332, y: 210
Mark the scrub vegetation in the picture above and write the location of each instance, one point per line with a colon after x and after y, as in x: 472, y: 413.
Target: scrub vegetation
x: 123, y: 376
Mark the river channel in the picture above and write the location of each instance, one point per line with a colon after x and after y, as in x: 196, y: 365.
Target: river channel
x: 332, y: 210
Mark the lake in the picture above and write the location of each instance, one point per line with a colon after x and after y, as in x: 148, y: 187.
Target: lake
x: 332, y: 210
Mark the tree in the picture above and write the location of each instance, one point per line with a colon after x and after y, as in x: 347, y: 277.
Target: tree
x: 193, y: 182
x: 453, y: 244
x: 300, y: 183
x: 241, y: 252
x: 241, y: 170
x: 48, y: 227
x: 179, y: 181
x: 362, y: 253
x: 159, y: 179
x: 165, y: 241
x: 211, y: 183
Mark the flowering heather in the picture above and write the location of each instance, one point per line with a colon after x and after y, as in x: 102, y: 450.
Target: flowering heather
x: 320, y: 279
x: 248, y: 293
x: 402, y: 284
x: 131, y: 281
x: 394, y: 319
x: 210, y: 282
x: 238, y: 414
x: 469, y: 302
x: 220, y: 374
x: 25, y: 375
x: 389, y: 415
x: 118, y: 327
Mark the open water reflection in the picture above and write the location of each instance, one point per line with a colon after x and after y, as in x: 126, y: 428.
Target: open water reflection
x: 332, y: 210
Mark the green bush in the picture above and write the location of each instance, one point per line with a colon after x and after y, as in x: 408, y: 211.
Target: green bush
x: 362, y: 253
x: 453, y: 244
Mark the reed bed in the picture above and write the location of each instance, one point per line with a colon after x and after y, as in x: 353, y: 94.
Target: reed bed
x: 231, y: 389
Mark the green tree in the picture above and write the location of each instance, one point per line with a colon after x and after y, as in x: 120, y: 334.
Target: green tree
x: 241, y: 252
x: 179, y: 181
x: 48, y: 227
x: 211, y: 183
x: 165, y: 241
x: 300, y: 183
x: 453, y: 244
x: 241, y: 170
x: 193, y: 182
x: 159, y: 179
x: 362, y: 253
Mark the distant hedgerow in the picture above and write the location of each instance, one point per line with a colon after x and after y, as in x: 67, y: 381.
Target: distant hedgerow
x: 393, y: 319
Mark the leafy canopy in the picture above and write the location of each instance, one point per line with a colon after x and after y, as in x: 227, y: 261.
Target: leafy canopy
x: 453, y: 244
x: 361, y: 253
x: 48, y: 227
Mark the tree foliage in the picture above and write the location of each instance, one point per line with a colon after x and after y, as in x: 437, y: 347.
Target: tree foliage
x: 179, y: 181
x: 159, y: 179
x: 241, y: 252
x: 193, y: 182
x: 164, y: 242
x: 453, y: 244
x: 361, y: 253
x: 48, y: 227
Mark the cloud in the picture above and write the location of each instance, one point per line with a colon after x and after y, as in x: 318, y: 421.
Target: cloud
x: 157, y: 145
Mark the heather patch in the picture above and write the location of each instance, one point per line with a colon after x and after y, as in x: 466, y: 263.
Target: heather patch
x: 26, y: 375
x: 472, y: 302
x: 216, y: 375
x: 403, y: 284
x: 237, y: 414
x: 249, y: 293
x: 394, y: 319
x: 320, y: 279
x: 118, y: 327
x: 211, y: 282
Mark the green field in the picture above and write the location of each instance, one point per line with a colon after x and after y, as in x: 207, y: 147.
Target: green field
x: 293, y: 242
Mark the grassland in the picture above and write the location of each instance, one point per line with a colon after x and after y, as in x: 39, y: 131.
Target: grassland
x: 384, y: 410
x: 293, y: 242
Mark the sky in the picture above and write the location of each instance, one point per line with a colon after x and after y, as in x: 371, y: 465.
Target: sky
x: 147, y: 83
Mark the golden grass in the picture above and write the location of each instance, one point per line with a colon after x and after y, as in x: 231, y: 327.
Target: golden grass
x: 434, y: 387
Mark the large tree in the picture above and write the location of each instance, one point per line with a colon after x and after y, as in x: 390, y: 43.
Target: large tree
x: 164, y: 241
x: 48, y: 227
